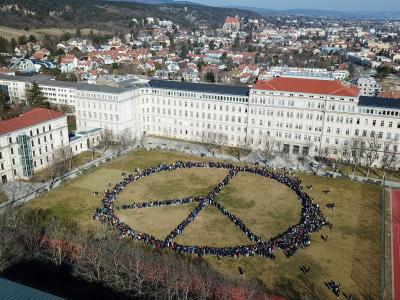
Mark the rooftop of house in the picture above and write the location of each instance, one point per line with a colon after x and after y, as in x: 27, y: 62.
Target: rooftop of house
x: 232, y: 20
x: 308, y: 86
x: 28, y: 119
x: 379, y: 102
x: 200, y: 87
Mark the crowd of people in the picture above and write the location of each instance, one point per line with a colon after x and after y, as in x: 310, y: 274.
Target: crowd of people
x: 290, y: 241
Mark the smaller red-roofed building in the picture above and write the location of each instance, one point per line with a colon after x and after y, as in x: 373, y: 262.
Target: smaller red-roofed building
x: 33, y: 140
x: 41, y: 54
x: 28, y: 143
x: 68, y: 63
x: 231, y: 23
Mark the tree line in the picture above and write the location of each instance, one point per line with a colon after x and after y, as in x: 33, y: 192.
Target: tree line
x: 101, y: 256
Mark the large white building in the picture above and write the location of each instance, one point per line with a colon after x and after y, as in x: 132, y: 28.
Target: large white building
x: 300, y: 116
x: 296, y: 115
x: 57, y: 92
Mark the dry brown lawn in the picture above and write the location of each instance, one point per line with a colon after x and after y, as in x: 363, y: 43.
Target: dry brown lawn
x: 266, y: 206
x: 9, y: 33
x: 177, y: 184
x: 157, y: 221
x: 351, y: 255
x: 211, y: 228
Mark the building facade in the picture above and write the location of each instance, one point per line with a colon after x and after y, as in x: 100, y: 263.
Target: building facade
x: 28, y: 142
x: 231, y: 23
x: 296, y: 116
x: 368, y: 86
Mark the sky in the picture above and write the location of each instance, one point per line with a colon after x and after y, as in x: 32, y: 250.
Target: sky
x: 341, y: 5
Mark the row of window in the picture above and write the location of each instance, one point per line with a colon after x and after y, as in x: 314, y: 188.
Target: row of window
x: 95, y: 115
x: 98, y: 105
x: 199, y: 96
x: 376, y: 111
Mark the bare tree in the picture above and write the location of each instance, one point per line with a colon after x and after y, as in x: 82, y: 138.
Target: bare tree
x: 64, y: 160
x: 221, y: 140
x: 213, y: 142
x: 309, y: 146
x: 10, y: 248
x: 92, y: 260
x: 357, y: 147
x: 241, y: 150
x: 338, y: 161
x: 370, y: 152
x: 107, y: 140
x: 142, y: 140
x: 390, y: 158
x: 347, y: 151
x: 18, y: 189
x: 268, y: 148
x: 125, y: 140
x: 57, y: 242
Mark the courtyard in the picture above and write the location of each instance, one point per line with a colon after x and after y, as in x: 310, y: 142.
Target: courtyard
x: 351, y: 255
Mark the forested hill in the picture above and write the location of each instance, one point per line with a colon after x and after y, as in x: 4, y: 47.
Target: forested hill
x: 106, y: 15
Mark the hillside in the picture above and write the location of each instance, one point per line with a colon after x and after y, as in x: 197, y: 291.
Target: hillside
x: 112, y: 15
x: 321, y: 12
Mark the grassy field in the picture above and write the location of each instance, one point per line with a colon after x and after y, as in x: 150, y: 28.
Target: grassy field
x: 351, y: 255
x: 362, y: 171
x: 171, y: 185
x: 261, y: 202
x: 3, y: 197
x: 79, y: 160
x: 9, y: 33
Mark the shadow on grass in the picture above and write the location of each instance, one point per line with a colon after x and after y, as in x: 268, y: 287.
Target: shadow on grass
x: 302, y: 288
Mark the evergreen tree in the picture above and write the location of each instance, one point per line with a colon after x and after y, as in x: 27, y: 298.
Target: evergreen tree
x: 211, y: 45
x: 91, y: 34
x: 65, y: 36
x: 184, y: 51
x: 48, y: 43
x: 13, y: 44
x: 210, y: 76
x: 2, y: 105
x: 249, y: 39
x: 224, y: 57
x: 32, y: 39
x: 22, y: 40
x: 236, y: 43
x: 78, y: 32
x: 200, y: 64
x: 35, y: 96
x: 4, y: 44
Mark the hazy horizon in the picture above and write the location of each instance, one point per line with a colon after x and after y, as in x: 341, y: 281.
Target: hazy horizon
x: 339, y: 5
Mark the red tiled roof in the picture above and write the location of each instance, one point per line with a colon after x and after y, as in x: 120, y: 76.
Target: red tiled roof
x: 232, y: 20
x: 390, y: 94
x: 308, y: 86
x: 30, y: 118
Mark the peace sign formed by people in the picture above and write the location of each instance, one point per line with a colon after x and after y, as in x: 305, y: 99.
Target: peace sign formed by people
x: 290, y: 241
